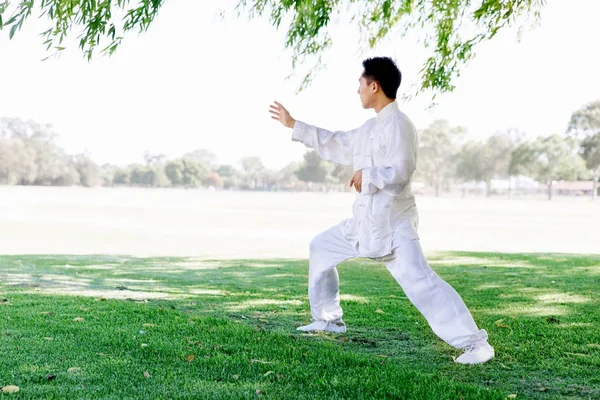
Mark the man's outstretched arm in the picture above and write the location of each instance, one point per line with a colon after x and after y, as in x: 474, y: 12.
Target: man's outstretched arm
x: 331, y: 146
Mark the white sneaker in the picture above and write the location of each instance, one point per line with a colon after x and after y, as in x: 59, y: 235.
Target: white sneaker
x: 476, y: 353
x: 327, y: 326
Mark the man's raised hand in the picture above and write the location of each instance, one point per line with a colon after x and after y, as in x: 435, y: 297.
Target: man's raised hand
x: 281, y: 114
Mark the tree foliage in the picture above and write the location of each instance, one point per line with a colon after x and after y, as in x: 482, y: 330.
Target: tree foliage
x: 450, y: 29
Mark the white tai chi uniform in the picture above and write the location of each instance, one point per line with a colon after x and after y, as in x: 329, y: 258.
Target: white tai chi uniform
x: 383, y: 226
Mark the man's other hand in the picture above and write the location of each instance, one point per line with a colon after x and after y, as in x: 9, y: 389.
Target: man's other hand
x: 356, y: 181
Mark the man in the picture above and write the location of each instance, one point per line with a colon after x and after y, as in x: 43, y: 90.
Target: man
x: 383, y: 153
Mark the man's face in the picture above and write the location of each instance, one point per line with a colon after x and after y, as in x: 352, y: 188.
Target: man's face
x: 366, y: 91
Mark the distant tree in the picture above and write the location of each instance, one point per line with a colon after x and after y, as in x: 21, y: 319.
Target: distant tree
x: 187, y: 172
x: 438, y: 145
x: 472, y: 163
x: 254, y: 172
x: 153, y: 159
x: 548, y: 159
x: 204, y: 156
x: 89, y: 173
x: 230, y: 176
x: 312, y: 169
x: 122, y: 177
x: 585, y: 124
x: 37, y: 159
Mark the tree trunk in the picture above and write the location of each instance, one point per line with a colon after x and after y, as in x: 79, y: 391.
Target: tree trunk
x: 437, y: 190
x: 595, y: 187
x: 509, y: 188
x: 550, y: 190
x: 488, y: 190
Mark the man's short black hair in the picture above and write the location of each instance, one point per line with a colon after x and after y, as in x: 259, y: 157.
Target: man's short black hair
x: 384, y: 71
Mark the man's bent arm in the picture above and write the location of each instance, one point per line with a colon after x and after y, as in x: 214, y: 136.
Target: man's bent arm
x: 397, y: 169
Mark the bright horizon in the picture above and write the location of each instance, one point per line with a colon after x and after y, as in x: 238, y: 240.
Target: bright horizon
x: 195, y: 82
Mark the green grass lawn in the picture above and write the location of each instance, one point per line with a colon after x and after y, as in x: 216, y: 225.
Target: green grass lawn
x: 118, y: 327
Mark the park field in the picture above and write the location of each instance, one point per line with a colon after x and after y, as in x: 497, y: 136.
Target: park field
x: 135, y: 294
x: 259, y: 225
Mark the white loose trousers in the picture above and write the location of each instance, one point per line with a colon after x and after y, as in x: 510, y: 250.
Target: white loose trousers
x: 437, y: 301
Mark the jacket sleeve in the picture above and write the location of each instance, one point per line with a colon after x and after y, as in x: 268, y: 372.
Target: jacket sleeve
x: 331, y: 146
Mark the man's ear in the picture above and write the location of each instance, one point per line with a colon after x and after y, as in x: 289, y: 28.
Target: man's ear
x: 374, y: 87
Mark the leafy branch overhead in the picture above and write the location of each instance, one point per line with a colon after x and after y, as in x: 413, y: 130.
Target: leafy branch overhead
x: 450, y: 29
